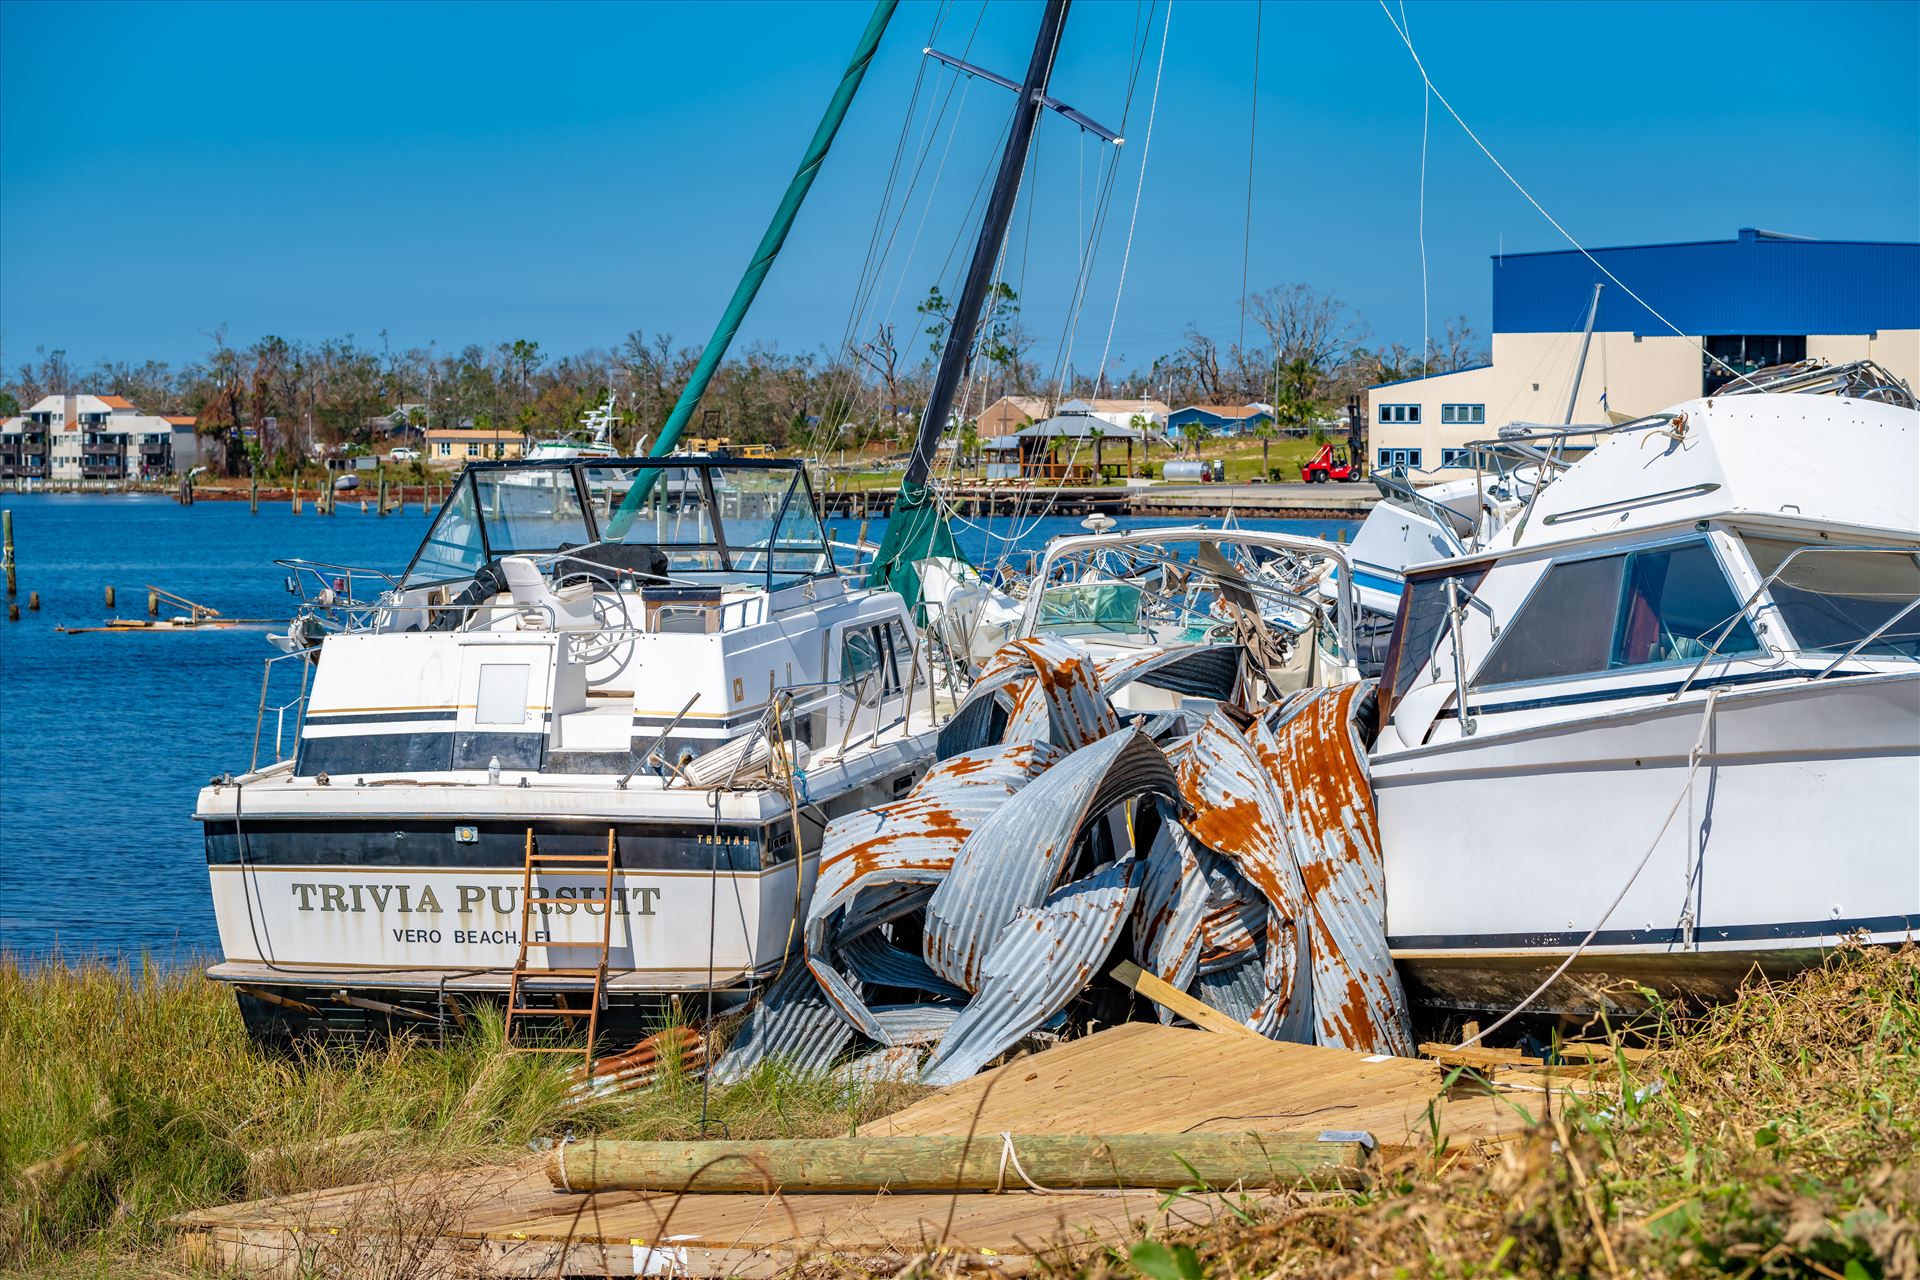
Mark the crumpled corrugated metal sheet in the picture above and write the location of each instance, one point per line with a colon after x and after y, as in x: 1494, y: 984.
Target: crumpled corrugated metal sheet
x: 1044, y: 958
x: 792, y: 1020
x: 1199, y: 671
x: 1047, y: 689
x: 1236, y: 814
x: 877, y: 962
x: 1174, y: 891
x: 1015, y: 858
x: 879, y: 864
x: 1320, y: 777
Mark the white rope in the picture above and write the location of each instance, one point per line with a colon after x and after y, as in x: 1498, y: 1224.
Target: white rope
x: 1426, y: 116
x: 1538, y: 207
x: 1153, y: 109
x: 1008, y: 1156
x: 1685, y: 797
x: 561, y: 1164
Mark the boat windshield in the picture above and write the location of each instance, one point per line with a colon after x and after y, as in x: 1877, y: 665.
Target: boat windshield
x: 722, y: 523
x: 1834, y: 598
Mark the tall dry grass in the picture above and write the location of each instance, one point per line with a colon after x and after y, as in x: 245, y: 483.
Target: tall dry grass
x: 128, y: 1096
x: 1777, y: 1135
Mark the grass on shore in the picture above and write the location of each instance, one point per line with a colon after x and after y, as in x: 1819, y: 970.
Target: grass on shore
x: 129, y: 1096
x: 1776, y: 1136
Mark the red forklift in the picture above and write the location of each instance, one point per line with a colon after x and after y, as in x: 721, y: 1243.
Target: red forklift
x: 1331, y: 464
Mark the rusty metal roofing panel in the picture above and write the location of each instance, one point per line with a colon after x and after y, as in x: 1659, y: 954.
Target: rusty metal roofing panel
x: 879, y: 864
x: 1236, y: 814
x: 1016, y: 857
x: 1172, y: 906
x: 1047, y: 689
x: 914, y: 1023
x: 877, y: 962
x: 1045, y: 957
x: 791, y: 1021
x: 1321, y: 780
x: 1200, y: 671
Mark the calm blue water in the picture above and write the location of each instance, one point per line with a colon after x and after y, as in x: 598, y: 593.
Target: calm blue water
x: 105, y: 739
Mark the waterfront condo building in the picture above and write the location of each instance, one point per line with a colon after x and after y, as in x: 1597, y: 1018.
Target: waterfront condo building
x: 1760, y: 299
x: 95, y: 438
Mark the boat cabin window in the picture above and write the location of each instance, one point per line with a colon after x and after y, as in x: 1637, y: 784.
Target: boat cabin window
x: 1646, y: 608
x: 534, y: 510
x: 1831, y: 599
x: 454, y: 547
x: 1423, y: 612
x: 743, y: 521
x: 1082, y: 608
x: 664, y: 507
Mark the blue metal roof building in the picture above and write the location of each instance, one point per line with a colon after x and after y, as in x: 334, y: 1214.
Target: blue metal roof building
x: 1763, y: 282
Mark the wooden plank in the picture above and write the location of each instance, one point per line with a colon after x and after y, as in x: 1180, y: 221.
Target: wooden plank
x: 940, y: 1163
x: 1163, y: 993
x: 1478, y: 1057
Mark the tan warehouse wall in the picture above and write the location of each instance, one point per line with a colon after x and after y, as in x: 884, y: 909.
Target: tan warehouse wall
x: 1532, y: 373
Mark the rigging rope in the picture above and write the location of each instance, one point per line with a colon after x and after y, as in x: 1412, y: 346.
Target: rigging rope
x: 1253, y: 129
x: 1146, y: 148
x: 1538, y: 207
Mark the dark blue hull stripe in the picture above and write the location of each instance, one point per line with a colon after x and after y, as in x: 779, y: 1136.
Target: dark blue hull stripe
x: 1808, y: 929
x: 1638, y: 691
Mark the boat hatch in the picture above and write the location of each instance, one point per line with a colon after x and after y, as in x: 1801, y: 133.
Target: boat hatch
x: 674, y: 522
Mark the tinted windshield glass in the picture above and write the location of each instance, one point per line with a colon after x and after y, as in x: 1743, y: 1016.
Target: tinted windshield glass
x: 454, y: 547
x: 1832, y: 599
x: 767, y: 516
x: 536, y: 509
x: 664, y: 507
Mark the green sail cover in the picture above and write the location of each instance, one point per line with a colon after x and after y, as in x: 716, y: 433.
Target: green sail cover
x: 763, y: 256
x: 917, y: 530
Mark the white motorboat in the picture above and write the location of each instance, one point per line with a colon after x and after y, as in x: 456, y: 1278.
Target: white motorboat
x: 1663, y: 726
x: 661, y: 661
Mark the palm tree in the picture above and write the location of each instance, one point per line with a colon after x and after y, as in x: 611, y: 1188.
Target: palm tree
x: 1265, y: 430
x: 1194, y: 434
x: 1096, y: 433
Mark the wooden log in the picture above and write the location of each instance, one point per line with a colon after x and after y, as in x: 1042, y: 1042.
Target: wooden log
x: 1165, y: 994
x: 1170, y: 1161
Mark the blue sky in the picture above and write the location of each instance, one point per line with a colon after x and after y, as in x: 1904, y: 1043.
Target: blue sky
x: 567, y: 173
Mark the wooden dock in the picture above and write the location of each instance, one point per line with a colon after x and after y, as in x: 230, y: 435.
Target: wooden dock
x: 1194, y: 501
x: 1134, y: 1078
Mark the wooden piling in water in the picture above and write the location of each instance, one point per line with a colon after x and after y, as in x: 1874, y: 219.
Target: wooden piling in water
x: 153, y: 603
x: 383, y: 495
x: 253, y: 492
x: 109, y: 595
x: 33, y: 602
x: 13, y: 611
x: 6, y: 551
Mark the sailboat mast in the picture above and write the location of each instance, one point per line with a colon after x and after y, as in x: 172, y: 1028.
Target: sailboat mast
x: 986, y: 250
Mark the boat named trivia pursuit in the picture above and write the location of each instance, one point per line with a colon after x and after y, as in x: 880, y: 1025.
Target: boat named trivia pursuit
x: 581, y: 751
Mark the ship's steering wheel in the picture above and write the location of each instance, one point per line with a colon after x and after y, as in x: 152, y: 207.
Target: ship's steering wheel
x: 609, y: 610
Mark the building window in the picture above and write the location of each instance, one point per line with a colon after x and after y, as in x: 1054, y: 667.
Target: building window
x: 1400, y: 459
x: 446, y: 449
x: 1729, y: 355
x: 1460, y: 415
x: 1400, y: 414
x: 473, y: 449
x: 1456, y: 458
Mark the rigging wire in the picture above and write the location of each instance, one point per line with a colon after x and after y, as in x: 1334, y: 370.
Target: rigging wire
x: 1538, y: 207
x: 1426, y: 117
x: 1253, y: 129
x: 1146, y: 148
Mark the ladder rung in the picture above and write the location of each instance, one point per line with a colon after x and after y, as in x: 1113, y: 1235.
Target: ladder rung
x: 551, y: 1013
x: 559, y: 973
x: 535, y: 902
x: 600, y: 858
x: 562, y: 942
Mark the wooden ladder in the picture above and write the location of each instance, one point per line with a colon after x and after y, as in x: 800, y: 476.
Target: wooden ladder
x: 518, y: 991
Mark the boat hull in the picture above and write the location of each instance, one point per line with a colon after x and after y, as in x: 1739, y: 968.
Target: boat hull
x: 1801, y: 828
